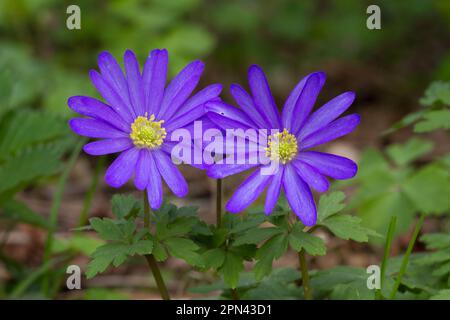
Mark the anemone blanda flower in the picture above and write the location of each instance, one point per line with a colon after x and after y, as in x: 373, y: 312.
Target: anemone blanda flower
x: 297, y: 131
x: 138, y: 117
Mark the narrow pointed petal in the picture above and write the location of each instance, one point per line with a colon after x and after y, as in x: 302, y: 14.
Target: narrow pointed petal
x: 291, y: 101
x: 209, y: 93
x: 135, y: 84
x: 327, y: 113
x: 179, y: 89
x: 96, y: 109
x: 121, y: 170
x: 108, y: 146
x: 154, y: 188
x: 248, y: 192
x: 263, y: 97
x: 95, y: 129
x: 245, y: 101
x: 333, y: 166
x: 143, y: 169
x: 299, y: 196
x: 220, y: 171
x: 226, y: 110
x: 185, y: 119
x: 154, y: 79
x: 112, y: 97
x: 170, y: 173
x: 332, y: 131
x: 273, y: 191
x: 311, y: 176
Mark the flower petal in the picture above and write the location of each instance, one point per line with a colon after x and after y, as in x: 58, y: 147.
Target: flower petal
x: 170, y: 173
x: 263, y: 97
x: 248, y: 191
x: 135, y: 84
x: 96, y: 109
x: 121, y: 170
x: 154, y: 80
x: 220, y: 171
x: 245, y: 101
x: 226, y: 110
x: 108, y: 146
x: 291, y: 101
x: 334, y: 130
x: 209, y: 93
x: 154, y: 188
x: 185, y: 119
x: 113, y: 75
x: 336, y: 167
x: 273, y: 191
x: 299, y: 196
x: 311, y: 176
x: 327, y: 113
x: 112, y: 97
x: 143, y: 170
x: 95, y: 128
x: 179, y: 89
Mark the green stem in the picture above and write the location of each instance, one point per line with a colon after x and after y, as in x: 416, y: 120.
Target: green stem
x: 387, y: 250
x: 56, y: 204
x: 219, y: 202
x: 234, y: 294
x: 84, y: 215
x: 305, y: 275
x: 152, y: 263
x: 405, y: 260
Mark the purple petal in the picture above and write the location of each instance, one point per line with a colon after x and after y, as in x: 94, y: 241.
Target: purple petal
x: 180, y: 88
x: 95, y: 129
x: 96, y: 109
x: 327, y: 113
x: 262, y: 96
x: 273, y: 191
x: 170, y: 173
x: 108, y: 146
x: 209, y: 93
x: 112, y: 97
x: 227, y: 123
x: 299, y: 196
x: 113, y: 75
x: 248, y: 191
x: 154, y: 80
x: 330, y: 165
x: 334, y: 130
x: 311, y: 176
x: 143, y: 168
x: 121, y: 170
x: 230, y: 112
x: 245, y: 101
x: 219, y: 171
x: 291, y: 101
x: 185, y: 119
x: 154, y: 188
x: 135, y: 84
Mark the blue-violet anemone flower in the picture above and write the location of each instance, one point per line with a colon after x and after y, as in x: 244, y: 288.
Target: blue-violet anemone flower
x: 138, y: 117
x: 297, y: 130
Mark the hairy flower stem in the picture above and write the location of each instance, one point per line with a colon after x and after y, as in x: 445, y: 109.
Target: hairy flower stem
x: 152, y: 263
x: 305, y: 275
x: 405, y: 260
x: 219, y: 202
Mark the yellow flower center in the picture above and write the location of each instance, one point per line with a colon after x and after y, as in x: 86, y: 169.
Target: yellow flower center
x: 147, y: 133
x: 282, y: 146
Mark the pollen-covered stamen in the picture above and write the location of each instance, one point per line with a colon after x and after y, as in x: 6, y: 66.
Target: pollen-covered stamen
x: 282, y: 146
x: 147, y: 133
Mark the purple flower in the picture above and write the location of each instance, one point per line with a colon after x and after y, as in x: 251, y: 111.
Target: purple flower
x: 138, y: 117
x: 297, y: 131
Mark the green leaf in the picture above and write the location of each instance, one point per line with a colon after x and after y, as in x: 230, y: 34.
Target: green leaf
x: 441, y: 295
x: 348, y: 227
x: 330, y: 204
x: 410, y: 151
x: 159, y: 251
x: 299, y: 240
x: 179, y: 227
x: 272, y: 249
x: 125, y: 205
x: 18, y: 211
x: 433, y: 120
x: 429, y: 189
x: 107, y: 229
x: 78, y: 242
x: 214, y: 258
x: 436, y: 240
x: 231, y: 269
x: 437, y: 92
x: 184, y: 249
x: 116, y: 254
x: 256, y: 235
